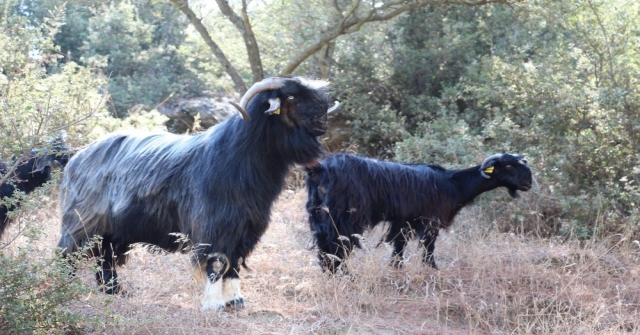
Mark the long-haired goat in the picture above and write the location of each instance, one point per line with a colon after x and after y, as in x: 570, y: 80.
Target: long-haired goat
x: 28, y: 173
x: 349, y: 194
x: 215, y: 187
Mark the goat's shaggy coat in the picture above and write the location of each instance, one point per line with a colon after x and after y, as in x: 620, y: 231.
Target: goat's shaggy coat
x: 349, y: 194
x: 30, y: 173
x: 216, y: 187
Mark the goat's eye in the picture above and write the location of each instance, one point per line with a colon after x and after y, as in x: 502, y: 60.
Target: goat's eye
x: 290, y: 97
x: 508, y: 166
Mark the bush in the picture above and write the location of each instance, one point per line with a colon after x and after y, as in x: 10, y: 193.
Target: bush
x: 34, y: 289
x: 40, y: 97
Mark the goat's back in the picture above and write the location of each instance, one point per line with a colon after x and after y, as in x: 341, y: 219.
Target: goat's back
x: 370, y: 190
x: 114, y: 173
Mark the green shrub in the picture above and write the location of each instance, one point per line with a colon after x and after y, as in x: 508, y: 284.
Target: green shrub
x: 34, y: 289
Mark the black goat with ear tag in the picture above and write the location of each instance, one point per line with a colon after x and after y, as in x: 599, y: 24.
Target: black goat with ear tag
x: 349, y: 194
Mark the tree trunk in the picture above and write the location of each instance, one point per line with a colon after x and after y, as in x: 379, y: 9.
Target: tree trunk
x: 244, y: 27
x: 238, y: 83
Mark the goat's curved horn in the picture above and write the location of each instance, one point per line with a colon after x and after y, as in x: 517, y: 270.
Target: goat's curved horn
x: 335, y: 106
x: 489, y: 159
x: 245, y: 115
x: 264, y: 85
x: 521, y: 160
x: 486, y: 162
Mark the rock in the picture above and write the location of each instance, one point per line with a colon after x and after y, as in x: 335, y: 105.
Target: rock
x: 196, y: 114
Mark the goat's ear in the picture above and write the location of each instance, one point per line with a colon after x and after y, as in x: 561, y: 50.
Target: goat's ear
x: 487, y: 167
x: 274, y: 106
x: 42, y: 162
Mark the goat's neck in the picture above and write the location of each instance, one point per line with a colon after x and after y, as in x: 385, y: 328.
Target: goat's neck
x: 270, y: 152
x: 470, y: 184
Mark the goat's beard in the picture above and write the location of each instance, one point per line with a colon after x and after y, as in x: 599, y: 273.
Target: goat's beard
x: 513, y: 192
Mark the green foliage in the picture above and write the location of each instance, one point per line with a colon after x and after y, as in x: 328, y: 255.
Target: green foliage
x: 446, y: 139
x: 139, y: 45
x: 577, y: 106
x: 34, y: 288
x: 369, y: 105
x: 559, y: 84
x: 37, y: 289
x: 36, y: 106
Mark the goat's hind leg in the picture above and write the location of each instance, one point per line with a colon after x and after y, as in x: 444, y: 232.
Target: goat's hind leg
x: 428, y: 242
x: 398, y: 237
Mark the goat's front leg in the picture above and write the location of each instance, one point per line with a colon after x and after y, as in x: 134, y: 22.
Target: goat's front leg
x: 107, y: 277
x: 397, y: 256
x: 333, y: 253
x: 217, y: 265
x: 231, y: 289
x: 428, y: 242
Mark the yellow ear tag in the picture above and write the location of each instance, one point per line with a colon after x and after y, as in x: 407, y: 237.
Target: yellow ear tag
x: 277, y: 111
x: 489, y: 169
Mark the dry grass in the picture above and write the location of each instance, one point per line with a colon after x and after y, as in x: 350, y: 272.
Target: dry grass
x: 488, y: 283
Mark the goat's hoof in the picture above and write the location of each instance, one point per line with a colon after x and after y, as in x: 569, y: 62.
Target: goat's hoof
x: 337, y: 272
x: 430, y: 262
x: 237, y: 303
x: 212, y: 304
x: 114, y: 290
x: 397, y: 263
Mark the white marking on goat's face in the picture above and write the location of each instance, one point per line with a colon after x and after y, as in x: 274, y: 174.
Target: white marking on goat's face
x: 231, y: 290
x: 213, y: 296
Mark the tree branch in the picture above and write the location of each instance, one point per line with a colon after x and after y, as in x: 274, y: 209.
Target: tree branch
x: 352, y: 22
x: 243, y: 25
x: 607, y: 42
x: 239, y: 84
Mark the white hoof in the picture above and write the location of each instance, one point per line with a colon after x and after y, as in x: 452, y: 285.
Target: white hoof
x: 212, y: 304
x: 213, y: 297
x: 231, y: 291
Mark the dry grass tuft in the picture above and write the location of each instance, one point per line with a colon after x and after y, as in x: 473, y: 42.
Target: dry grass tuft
x: 489, y: 282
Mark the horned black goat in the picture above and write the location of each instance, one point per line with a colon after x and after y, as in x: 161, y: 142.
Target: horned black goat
x: 348, y: 194
x: 216, y: 187
x: 30, y: 172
